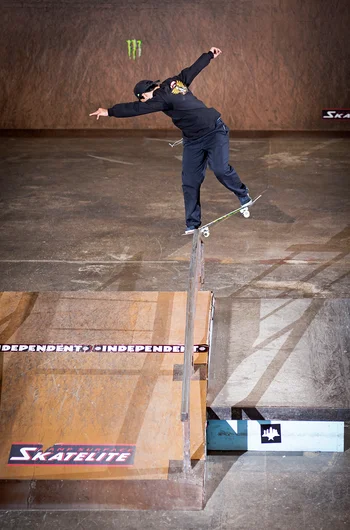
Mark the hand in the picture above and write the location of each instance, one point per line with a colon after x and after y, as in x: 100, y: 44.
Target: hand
x: 99, y: 112
x: 215, y: 51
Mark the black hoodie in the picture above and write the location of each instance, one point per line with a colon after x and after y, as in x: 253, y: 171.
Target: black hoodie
x: 176, y: 101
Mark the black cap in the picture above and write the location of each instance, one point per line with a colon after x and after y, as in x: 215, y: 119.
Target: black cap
x: 144, y: 86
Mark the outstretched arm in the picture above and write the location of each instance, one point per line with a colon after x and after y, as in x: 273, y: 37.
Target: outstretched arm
x: 135, y: 108
x: 188, y: 74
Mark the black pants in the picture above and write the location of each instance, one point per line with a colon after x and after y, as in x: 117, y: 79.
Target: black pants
x: 212, y: 149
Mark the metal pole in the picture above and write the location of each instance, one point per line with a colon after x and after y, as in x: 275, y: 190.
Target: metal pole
x: 187, y: 446
x: 196, y: 277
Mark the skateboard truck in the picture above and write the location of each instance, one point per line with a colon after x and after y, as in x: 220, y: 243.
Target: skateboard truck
x: 245, y: 212
x: 205, y: 232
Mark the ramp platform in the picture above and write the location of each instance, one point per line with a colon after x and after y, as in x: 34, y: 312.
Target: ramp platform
x: 91, y: 398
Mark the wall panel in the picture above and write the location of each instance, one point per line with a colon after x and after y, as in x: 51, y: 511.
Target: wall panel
x: 282, y: 62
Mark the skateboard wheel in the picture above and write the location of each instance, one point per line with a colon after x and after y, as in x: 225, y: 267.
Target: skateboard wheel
x: 246, y: 213
x: 206, y: 232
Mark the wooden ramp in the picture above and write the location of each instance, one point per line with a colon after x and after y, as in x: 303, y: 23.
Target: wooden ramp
x: 91, y: 398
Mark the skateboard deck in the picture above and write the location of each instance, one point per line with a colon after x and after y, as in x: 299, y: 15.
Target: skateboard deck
x: 244, y: 210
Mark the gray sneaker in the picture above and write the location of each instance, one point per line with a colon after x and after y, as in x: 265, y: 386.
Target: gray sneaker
x: 190, y: 230
x: 246, y: 200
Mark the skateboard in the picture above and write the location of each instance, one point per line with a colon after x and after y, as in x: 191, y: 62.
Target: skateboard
x: 244, y: 210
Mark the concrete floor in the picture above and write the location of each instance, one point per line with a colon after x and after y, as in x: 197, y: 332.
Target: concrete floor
x: 107, y: 214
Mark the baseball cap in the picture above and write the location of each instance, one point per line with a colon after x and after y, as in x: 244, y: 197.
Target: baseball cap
x: 144, y: 86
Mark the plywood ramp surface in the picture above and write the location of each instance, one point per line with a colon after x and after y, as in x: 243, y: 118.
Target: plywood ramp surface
x: 96, y: 401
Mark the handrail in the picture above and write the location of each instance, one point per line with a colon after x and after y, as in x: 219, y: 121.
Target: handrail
x: 196, y: 278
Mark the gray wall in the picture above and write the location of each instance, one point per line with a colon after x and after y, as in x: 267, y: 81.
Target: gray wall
x: 282, y: 62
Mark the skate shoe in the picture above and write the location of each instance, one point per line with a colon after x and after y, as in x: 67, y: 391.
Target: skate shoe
x: 190, y: 230
x: 246, y: 200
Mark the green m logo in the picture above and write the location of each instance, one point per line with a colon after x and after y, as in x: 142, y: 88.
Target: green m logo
x: 134, y: 48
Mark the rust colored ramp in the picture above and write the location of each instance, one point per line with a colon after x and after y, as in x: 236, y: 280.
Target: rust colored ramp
x: 91, y: 397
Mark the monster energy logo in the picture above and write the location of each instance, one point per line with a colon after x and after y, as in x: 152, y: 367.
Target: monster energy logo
x: 134, y: 48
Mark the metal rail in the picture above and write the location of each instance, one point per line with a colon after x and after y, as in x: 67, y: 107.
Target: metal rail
x: 196, y: 279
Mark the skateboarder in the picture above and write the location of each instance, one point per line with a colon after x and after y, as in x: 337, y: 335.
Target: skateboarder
x: 205, y: 135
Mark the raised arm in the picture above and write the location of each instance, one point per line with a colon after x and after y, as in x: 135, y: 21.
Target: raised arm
x: 188, y: 74
x: 135, y: 108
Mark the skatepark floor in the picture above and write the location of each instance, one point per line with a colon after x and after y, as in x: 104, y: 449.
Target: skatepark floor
x: 106, y: 214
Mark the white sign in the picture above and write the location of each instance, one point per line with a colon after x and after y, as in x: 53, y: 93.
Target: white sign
x: 98, y: 348
x: 275, y: 435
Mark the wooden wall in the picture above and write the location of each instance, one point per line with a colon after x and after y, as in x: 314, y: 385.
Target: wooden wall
x: 282, y: 62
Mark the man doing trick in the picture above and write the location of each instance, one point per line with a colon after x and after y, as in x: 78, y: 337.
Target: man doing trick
x: 205, y: 135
